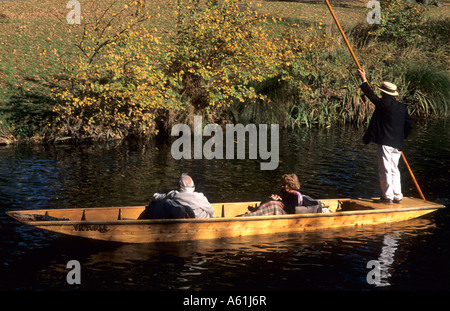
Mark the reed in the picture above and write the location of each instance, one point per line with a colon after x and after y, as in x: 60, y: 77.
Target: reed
x: 419, y: 70
x: 429, y: 89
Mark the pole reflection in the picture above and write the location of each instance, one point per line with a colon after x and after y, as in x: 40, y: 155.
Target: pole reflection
x: 386, y: 258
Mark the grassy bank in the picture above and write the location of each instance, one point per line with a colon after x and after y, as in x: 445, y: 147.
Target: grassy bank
x: 316, y: 84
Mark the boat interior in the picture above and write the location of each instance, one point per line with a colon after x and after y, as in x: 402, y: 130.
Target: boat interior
x: 228, y: 210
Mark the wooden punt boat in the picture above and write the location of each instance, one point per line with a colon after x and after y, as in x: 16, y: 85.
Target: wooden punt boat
x: 120, y: 224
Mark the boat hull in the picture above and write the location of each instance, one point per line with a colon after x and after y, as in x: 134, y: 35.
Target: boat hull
x: 131, y: 230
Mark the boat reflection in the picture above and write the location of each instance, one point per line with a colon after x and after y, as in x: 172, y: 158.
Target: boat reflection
x: 126, y: 253
x: 332, y: 258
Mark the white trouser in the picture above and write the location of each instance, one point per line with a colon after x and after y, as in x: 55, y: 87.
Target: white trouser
x: 388, y: 172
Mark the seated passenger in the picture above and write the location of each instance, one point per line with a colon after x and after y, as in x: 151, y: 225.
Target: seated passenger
x: 182, y: 203
x: 283, y: 203
x: 289, y: 201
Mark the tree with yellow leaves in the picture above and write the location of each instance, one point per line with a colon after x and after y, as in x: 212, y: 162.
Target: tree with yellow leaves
x: 217, y: 52
x: 124, y: 80
x: 114, y: 85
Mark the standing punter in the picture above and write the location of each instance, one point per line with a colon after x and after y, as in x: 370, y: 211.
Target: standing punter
x: 389, y: 126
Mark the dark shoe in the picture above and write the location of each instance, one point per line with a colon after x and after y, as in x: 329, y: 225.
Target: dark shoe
x: 252, y: 208
x: 383, y: 201
x: 397, y: 201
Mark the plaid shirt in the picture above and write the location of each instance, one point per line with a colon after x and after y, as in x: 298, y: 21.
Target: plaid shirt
x: 268, y: 208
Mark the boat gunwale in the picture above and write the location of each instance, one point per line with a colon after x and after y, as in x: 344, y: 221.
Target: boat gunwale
x: 221, y: 219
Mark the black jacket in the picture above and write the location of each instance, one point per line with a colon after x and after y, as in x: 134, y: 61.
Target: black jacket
x: 166, y: 209
x: 390, y: 123
x: 290, y: 200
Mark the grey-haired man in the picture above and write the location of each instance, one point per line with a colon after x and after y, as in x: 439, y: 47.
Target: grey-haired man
x: 186, y: 196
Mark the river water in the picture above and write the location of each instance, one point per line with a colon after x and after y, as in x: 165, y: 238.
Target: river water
x: 330, y: 163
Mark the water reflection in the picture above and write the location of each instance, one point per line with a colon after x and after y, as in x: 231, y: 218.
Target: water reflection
x: 330, y: 163
x: 386, y: 259
x: 325, y: 259
x: 215, y: 264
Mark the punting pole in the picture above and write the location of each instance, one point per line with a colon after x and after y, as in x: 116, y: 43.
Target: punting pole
x: 359, y: 66
x: 412, y: 175
x: 343, y: 34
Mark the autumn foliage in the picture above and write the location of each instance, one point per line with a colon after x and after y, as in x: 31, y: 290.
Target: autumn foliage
x: 134, y: 68
x: 125, y: 80
x: 113, y: 85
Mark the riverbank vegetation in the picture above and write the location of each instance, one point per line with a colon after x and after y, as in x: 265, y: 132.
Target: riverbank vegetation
x: 136, y: 68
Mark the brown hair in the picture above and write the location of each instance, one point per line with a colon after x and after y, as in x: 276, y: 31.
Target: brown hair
x: 291, y: 181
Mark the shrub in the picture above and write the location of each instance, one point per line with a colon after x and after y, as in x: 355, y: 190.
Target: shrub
x: 123, y: 80
x: 400, y: 20
x: 113, y: 86
x: 218, y: 52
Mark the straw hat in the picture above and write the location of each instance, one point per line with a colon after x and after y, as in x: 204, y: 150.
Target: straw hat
x: 389, y: 88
